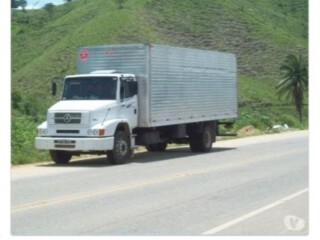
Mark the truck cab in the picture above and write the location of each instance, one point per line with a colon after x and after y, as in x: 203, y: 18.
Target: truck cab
x: 96, y: 115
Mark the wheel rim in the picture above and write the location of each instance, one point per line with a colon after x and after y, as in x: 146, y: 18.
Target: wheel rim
x: 207, y: 139
x: 122, y: 148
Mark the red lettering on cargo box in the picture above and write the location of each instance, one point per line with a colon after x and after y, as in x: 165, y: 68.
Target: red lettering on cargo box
x: 84, y: 54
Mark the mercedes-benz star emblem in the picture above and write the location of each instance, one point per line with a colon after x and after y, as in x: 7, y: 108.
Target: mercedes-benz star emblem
x: 67, y: 118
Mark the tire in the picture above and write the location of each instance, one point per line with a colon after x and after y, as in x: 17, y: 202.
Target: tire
x: 201, y: 142
x: 121, y: 149
x: 60, y: 157
x: 157, y: 147
x: 206, y: 140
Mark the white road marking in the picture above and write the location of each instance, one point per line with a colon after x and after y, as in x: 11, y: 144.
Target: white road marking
x: 254, y: 213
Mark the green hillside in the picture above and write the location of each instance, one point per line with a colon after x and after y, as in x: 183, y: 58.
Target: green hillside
x: 261, y: 33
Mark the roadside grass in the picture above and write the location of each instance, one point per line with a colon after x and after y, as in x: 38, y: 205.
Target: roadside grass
x: 260, y: 106
x: 23, y: 133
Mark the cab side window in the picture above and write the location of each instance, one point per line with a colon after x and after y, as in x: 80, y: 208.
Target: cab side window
x: 128, y: 89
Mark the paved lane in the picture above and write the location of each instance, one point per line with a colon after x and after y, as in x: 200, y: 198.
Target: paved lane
x: 172, y: 193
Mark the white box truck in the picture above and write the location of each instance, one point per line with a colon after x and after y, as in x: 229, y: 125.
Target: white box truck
x: 140, y: 94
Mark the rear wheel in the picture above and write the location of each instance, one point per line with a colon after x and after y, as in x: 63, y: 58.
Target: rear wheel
x: 201, y: 142
x: 121, y: 150
x: 60, y: 157
x: 206, y: 140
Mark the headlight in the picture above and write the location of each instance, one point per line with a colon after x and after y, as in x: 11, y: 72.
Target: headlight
x: 42, y: 131
x: 92, y: 132
x: 96, y: 132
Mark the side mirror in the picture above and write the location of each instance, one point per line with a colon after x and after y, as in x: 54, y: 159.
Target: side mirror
x: 53, y: 88
x: 54, y: 85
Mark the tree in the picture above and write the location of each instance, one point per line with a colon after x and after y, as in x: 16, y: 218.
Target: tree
x: 23, y: 4
x: 49, y: 7
x: 14, y: 4
x: 19, y: 3
x: 295, y: 80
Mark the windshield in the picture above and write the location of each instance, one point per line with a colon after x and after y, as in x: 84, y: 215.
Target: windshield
x: 90, y: 88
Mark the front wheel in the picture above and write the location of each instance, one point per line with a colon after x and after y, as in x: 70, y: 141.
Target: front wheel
x: 60, y: 157
x: 121, y: 149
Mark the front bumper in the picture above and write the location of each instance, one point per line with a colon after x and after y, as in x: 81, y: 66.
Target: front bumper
x: 74, y: 144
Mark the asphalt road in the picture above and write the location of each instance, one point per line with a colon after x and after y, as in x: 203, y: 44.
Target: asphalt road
x: 250, y: 186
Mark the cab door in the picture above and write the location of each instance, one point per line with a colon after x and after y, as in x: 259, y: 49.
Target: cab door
x: 129, y: 102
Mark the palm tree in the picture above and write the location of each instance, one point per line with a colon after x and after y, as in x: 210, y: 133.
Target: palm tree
x: 295, y: 80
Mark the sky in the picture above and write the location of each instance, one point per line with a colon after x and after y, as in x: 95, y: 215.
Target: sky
x: 32, y: 4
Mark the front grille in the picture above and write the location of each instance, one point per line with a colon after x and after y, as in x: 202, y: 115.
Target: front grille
x: 67, y: 118
x: 68, y: 131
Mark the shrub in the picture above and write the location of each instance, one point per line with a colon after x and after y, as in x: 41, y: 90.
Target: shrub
x: 290, y: 120
x: 23, y: 133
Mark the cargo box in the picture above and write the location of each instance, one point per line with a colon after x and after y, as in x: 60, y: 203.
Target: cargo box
x: 175, y: 85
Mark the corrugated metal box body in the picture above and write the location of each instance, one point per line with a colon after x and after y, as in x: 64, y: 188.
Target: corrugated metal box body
x: 176, y: 85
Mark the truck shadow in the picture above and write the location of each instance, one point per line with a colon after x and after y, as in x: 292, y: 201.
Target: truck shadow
x: 170, y: 154
x: 99, y: 161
